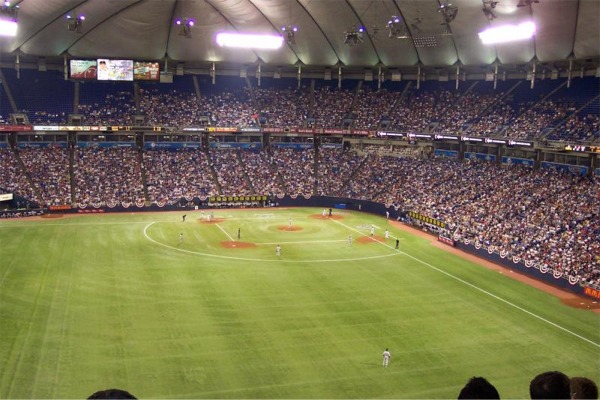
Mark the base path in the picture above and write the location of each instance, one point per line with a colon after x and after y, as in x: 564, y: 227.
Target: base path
x: 237, y: 245
x: 371, y: 239
x: 565, y: 297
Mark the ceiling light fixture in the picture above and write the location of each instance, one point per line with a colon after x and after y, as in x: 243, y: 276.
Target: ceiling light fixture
x: 488, y: 9
x: 186, y: 25
x: 75, y: 24
x: 448, y: 11
x: 249, y: 41
x: 8, y: 19
x: 396, y: 28
x: 508, y: 33
x: 289, y: 34
x: 354, y: 36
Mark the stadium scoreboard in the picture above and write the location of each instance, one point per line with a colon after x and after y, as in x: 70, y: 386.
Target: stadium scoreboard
x: 582, y: 148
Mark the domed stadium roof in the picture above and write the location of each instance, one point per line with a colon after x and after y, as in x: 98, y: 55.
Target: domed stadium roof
x: 430, y: 33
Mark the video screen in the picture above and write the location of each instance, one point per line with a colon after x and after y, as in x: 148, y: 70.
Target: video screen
x: 115, y: 70
x: 146, y: 71
x: 82, y: 69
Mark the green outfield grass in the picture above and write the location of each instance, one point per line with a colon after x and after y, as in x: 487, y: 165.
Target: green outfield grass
x: 100, y: 301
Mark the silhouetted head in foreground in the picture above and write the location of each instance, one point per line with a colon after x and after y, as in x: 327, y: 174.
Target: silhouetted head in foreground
x: 478, y: 388
x: 583, y: 388
x: 112, y: 394
x: 550, y: 385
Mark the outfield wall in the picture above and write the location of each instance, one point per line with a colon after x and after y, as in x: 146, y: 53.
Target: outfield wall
x: 543, y: 275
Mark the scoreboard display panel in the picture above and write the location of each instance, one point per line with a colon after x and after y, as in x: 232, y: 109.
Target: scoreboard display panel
x: 115, y: 70
x: 82, y: 69
x: 146, y: 71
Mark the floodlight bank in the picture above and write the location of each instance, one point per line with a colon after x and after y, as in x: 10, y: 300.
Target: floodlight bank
x: 249, y: 41
x: 8, y: 27
x: 508, y: 33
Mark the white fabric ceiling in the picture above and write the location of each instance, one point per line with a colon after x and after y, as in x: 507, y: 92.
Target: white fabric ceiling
x: 144, y: 30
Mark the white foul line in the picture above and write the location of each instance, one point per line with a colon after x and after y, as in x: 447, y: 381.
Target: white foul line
x: 225, y: 232
x: 482, y: 290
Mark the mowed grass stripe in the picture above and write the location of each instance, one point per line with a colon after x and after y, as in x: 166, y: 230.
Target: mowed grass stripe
x: 22, y: 362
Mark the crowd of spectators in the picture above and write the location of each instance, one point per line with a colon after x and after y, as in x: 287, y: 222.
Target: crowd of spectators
x: 533, y: 118
x: 12, y: 177
x: 283, y: 107
x: 336, y: 169
x: 230, y: 108
x: 262, y: 172
x: 418, y: 109
x: 494, y: 121
x: 173, y: 174
x: 578, y: 129
x: 231, y: 175
x: 466, y: 110
x: 296, y: 168
x: 107, y: 175
x: 526, y: 113
x: 173, y: 108
x: 332, y: 106
x: 373, y: 106
x: 115, y: 108
x: 49, y: 171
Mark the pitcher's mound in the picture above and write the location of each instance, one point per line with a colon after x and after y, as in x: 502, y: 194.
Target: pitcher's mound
x: 237, y: 245
x: 289, y: 228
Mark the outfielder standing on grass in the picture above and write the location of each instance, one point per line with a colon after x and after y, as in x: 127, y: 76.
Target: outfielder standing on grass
x: 386, y: 358
x: 278, y: 251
